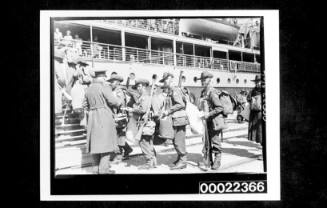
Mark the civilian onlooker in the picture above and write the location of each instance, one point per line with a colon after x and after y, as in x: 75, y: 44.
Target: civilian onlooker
x: 57, y: 36
x: 255, y: 35
x: 130, y: 80
x: 78, y: 93
x: 255, y: 120
x: 67, y: 40
x: 78, y: 44
x: 97, y: 49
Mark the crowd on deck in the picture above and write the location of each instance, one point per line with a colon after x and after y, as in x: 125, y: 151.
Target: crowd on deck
x: 170, y: 26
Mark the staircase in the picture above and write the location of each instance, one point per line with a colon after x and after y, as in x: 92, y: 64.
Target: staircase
x: 70, y: 140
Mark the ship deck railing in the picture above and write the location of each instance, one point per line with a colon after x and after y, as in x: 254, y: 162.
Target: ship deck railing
x: 112, y: 52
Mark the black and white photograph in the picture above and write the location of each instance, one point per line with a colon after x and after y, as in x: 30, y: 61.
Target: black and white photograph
x: 137, y: 97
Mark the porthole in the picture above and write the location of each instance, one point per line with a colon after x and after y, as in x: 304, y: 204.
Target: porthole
x: 237, y: 81
x: 218, y: 80
x: 195, y: 79
x: 245, y: 81
x: 228, y: 80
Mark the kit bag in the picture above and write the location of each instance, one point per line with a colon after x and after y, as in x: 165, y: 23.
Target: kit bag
x: 226, y: 103
x: 180, y: 118
x: 219, y: 123
x: 149, y: 128
x: 166, y: 130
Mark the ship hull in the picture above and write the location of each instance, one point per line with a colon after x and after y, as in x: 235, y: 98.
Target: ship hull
x: 148, y: 70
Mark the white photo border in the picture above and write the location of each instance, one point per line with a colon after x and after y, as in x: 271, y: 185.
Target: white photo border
x: 271, y: 52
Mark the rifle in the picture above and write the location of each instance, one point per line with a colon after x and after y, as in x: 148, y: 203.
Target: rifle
x: 146, y: 115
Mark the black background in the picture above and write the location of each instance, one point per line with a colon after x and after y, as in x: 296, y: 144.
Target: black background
x: 303, y: 127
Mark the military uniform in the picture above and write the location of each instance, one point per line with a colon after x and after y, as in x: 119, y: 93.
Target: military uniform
x: 146, y: 141
x: 215, y: 119
x: 180, y: 120
x: 101, y: 131
x: 121, y: 118
x: 124, y: 147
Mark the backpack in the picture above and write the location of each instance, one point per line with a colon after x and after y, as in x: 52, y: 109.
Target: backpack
x: 226, y: 103
x: 225, y: 100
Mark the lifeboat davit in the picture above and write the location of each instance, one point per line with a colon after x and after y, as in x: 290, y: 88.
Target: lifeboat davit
x: 214, y: 29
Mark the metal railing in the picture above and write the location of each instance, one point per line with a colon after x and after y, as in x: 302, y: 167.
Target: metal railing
x: 95, y: 50
x: 241, y: 66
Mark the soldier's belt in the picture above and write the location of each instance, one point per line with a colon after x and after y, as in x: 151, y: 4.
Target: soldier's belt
x: 95, y: 108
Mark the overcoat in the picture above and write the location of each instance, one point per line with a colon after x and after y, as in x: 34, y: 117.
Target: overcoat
x: 255, y: 120
x: 101, y: 130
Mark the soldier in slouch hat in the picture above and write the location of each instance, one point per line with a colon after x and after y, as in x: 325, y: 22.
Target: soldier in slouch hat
x: 214, y: 117
x: 179, y: 120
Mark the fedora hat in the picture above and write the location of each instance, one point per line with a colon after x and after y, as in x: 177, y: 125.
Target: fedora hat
x: 165, y: 76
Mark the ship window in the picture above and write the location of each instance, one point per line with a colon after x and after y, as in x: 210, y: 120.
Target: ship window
x: 237, y: 81
x: 235, y: 55
x: 184, y: 48
x: 202, y: 51
x: 106, y: 36
x: 218, y: 80
x: 161, y: 45
x: 220, y: 54
x: 245, y: 81
x: 136, y: 41
x: 228, y: 80
x: 248, y: 57
x: 257, y: 58
x: 82, y: 31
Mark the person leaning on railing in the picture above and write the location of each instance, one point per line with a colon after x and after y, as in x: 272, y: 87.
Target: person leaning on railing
x: 57, y: 36
x: 68, y: 39
x: 78, y: 44
x: 97, y: 49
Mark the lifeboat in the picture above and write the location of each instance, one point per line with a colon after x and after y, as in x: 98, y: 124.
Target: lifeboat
x: 214, y: 29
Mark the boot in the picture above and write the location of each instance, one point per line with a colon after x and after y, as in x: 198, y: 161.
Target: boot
x: 104, y: 165
x: 149, y: 165
x: 216, y: 163
x: 127, y: 151
x: 181, y: 163
x: 118, y: 157
x: 176, y: 161
x: 203, y: 165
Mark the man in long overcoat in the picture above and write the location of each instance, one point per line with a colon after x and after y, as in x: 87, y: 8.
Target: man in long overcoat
x: 255, y: 120
x: 101, y: 130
